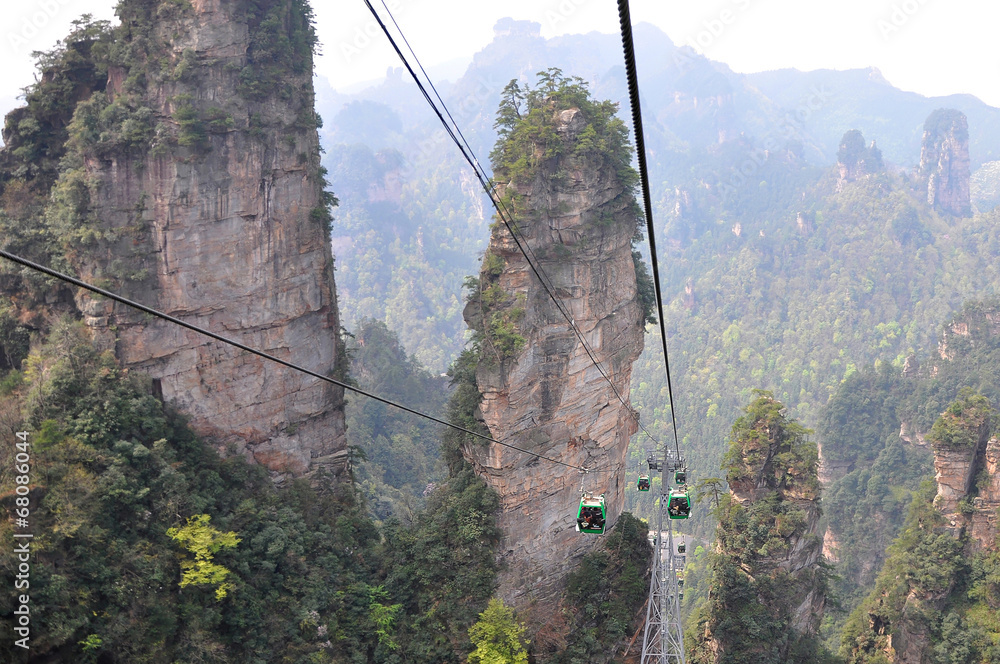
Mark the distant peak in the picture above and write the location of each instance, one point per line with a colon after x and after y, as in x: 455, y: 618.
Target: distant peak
x: 508, y: 26
x: 875, y: 75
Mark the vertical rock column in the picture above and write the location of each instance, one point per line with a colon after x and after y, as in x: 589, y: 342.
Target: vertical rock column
x: 548, y: 396
x: 223, y: 218
x: 944, y: 162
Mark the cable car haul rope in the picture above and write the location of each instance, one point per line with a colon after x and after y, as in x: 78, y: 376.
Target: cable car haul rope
x: 592, y: 512
x: 218, y: 337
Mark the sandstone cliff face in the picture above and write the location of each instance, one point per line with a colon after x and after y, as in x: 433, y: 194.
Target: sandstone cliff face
x: 549, y: 397
x: 944, y: 162
x: 222, y: 230
x: 983, y: 527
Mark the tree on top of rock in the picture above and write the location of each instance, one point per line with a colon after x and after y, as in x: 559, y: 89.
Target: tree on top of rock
x: 768, y: 584
x: 768, y: 452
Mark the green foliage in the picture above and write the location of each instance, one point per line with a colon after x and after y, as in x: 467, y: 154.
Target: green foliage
x: 944, y: 120
x: 117, y: 468
x: 441, y: 567
x: 282, y: 38
x: 709, y: 487
x: 403, y: 451
x: 498, y: 636
x: 854, y: 152
x: 749, y: 611
x: 964, y: 423
x: 383, y: 616
x: 852, y: 148
x: 605, y: 596
x: 646, y: 290
x: 35, y: 135
x: 204, y: 542
x: 496, y: 327
x: 191, y: 130
x: 527, y: 139
x: 14, y: 338
x: 923, y: 566
x: 769, y: 451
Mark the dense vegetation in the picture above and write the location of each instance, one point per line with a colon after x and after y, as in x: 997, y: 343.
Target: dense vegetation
x: 874, y: 475
x: 113, y: 471
x: 152, y: 548
x: 604, y: 598
x: 765, y: 523
x: 401, y: 451
x: 930, y: 595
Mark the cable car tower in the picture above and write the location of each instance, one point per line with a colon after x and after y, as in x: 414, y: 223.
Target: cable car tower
x: 663, y: 640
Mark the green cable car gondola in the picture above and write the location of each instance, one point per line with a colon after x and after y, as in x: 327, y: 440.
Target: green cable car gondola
x: 642, y: 483
x: 590, y: 517
x: 679, y: 504
x: 680, y: 477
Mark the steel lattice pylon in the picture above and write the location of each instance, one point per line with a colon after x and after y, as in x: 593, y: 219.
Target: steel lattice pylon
x: 663, y: 640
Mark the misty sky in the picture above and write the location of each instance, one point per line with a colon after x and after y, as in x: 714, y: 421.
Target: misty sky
x: 928, y: 46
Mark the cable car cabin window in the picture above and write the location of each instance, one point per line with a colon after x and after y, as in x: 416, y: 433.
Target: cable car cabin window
x: 679, y: 506
x: 642, y: 483
x: 591, y: 515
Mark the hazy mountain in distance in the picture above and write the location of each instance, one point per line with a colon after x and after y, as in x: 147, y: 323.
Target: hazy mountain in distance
x: 863, y: 99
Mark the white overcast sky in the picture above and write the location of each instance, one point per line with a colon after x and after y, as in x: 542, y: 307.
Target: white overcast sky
x: 934, y: 47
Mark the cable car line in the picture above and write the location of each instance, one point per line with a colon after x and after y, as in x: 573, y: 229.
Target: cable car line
x: 633, y: 91
x: 485, y: 182
x: 194, y: 328
x: 663, y: 639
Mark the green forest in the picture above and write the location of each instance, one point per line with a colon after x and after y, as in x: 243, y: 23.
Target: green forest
x: 830, y: 333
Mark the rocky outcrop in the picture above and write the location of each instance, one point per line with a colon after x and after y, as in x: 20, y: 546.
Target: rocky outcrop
x: 954, y: 472
x: 767, y: 545
x: 854, y: 160
x: 220, y: 223
x: 944, y: 162
x: 541, y: 390
x: 983, y: 521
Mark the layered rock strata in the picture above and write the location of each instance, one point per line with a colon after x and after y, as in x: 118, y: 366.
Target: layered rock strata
x: 547, y: 395
x: 221, y: 225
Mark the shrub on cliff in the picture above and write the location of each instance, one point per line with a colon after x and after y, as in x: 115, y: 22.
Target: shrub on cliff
x: 963, y: 423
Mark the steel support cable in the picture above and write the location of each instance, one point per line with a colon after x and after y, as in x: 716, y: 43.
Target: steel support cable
x: 218, y: 337
x: 497, y: 204
x: 633, y: 92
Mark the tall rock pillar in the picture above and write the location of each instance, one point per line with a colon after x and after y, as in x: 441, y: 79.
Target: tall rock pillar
x: 944, y: 162
x: 218, y: 217
x: 541, y: 390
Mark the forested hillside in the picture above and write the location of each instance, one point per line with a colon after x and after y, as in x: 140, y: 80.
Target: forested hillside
x: 877, y: 434
x: 775, y: 279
